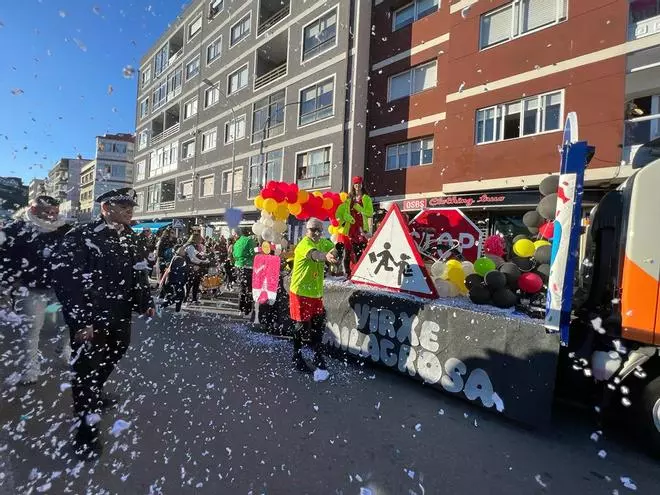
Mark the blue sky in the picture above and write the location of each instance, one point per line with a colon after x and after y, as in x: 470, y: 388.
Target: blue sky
x: 64, y: 61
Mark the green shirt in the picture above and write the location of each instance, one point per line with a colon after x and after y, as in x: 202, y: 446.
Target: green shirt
x: 244, y: 252
x: 307, y: 274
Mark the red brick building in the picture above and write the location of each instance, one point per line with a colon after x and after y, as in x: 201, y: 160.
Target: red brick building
x: 470, y: 97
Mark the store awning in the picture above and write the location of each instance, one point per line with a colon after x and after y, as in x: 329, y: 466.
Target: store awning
x: 155, y: 226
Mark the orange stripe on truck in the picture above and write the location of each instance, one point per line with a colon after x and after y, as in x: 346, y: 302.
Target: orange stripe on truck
x: 639, y: 303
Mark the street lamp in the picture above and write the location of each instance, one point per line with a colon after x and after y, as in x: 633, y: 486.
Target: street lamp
x: 233, y: 141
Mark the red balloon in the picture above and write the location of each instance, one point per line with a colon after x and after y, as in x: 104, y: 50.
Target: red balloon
x: 294, y: 188
x: 530, y: 283
x: 272, y: 185
x: 278, y: 195
x: 547, y: 230
x: 267, y: 193
x: 291, y: 196
x: 334, y: 222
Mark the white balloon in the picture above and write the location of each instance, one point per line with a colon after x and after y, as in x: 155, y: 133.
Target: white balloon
x: 334, y: 238
x: 279, y: 227
x: 453, y: 290
x: 268, y: 234
x: 442, y: 286
x: 258, y: 228
x: 438, y: 269
x: 268, y: 222
x: 284, y: 243
x: 468, y: 268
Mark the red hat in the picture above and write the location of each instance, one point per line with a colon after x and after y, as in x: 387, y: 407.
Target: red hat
x: 357, y: 180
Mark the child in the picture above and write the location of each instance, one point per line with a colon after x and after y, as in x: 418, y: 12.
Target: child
x: 177, y: 274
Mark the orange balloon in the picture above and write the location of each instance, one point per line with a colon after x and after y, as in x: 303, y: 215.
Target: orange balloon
x: 295, y: 209
x: 303, y: 196
x: 327, y: 203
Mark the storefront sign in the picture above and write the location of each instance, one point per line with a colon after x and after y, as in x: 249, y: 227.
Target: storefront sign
x: 413, y: 204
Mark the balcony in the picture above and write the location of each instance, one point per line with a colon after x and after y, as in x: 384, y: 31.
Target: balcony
x: 269, y: 16
x: 271, y: 61
x: 166, y: 206
x: 641, y: 143
x: 644, y: 18
x: 269, y: 77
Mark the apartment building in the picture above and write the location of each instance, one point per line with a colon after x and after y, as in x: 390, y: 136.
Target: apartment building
x: 63, y: 184
x: 13, y: 196
x: 468, y: 98
x: 237, y: 93
x: 111, y: 168
x: 36, y: 188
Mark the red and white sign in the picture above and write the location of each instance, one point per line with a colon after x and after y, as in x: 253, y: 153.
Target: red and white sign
x: 413, y: 204
x: 392, y: 260
x: 445, y: 226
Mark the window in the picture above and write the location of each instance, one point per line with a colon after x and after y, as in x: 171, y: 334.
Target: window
x: 190, y: 109
x: 317, y: 102
x: 174, y: 82
x: 161, y: 60
x: 410, y: 154
x: 192, y: 68
x: 240, y: 30
x: 188, y: 149
x: 413, y: 81
x: 186, y: 189
x: 141, y: 170
x: 209, y: 139
x: 237, y: 126
x: 320, y: 35
x: 215, y: 6
x: 237, y: 80
x: 262, y: 172
x: 194, y: 27
x: 142, y: 139
x: 153, y: 197
x: 520, y: 17
x: 213, y: 50
x: 206, y: 186
x: 160, y: 96
x: 412, y: 12
x: 228, y: 181
x: 268, y: 117
x: 139, y: 199
x: 146, y: 76
x: 164, y: 159
x: 211, y: 97
x: 313, y: 168
x: 534, y: 115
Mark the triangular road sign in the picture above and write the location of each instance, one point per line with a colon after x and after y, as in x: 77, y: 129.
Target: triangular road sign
x: 392, y: 261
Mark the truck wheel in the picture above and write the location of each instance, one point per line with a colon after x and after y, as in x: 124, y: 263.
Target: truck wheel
x: 650, y: 415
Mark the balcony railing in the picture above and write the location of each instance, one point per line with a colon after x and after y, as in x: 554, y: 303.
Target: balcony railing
x: 272, y: 20
x: 269, y: 77
x: 166, y: 205
x: 641, y: 140
x: 645, y: 27
x: 165, y: 134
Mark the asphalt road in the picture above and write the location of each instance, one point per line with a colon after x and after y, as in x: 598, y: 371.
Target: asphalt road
x: 215, y: 408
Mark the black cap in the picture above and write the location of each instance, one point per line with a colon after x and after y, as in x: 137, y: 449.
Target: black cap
x: 125, y: 195
x: 44, y: 200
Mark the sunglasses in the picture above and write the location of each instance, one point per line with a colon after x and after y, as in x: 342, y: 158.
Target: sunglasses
x: 316, y: 230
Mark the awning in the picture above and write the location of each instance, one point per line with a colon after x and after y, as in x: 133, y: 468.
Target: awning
x: 150, y: 225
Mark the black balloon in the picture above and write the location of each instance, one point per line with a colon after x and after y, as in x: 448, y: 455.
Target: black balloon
x: 495, y: 280
x: 549, y: 185
x: 544, y: 272
x: 532, y: 219
x: 512, y: 273
x: 542, y: 254
x: 480, y: 294
x: 504, y: 298
x: 533, y: 230
x: 548, y: 206
x: 473, y: 280
x: 518, y: 237
x: 525, y: 264
x: 498, y: 260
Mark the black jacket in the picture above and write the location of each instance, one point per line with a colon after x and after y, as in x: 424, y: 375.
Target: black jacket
x: 99, y: 279
x: 26, y: 253
x: 178, y: 271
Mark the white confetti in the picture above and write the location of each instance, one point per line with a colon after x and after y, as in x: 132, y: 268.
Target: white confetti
x: 119, y: 427
x: 540, y: 481
x: 321, y: 375
x: 628, y: 483
x: 602, y: 454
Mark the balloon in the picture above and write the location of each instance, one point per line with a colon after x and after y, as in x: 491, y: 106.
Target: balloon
x: 544, y: 272
x: 284, y: 243
x: 495, y: 245
x: 303, y: 196
x: 317, y: 194
x: 456, y: 276
x: 495, y: 280
x: 498, y: 260
x: 257, y: 229
x: 547, y: 230
x: 443, y: 287
x: 472, y: 280
x: 453, y: 290
x: 334, y: 238
x: 512, y: 273
x: 468, y: 268
x: 543, y: 254
x: 295, y: 209
x: 533, y: 230
x: 549, y: 185
x: 279, y: 196
x: 483, y: 265
x: 268, y: 234
x: 327, y: 203
x: 272, y: 185
x: 259, y: 202
x: 280, y: 227
x: 530, y: 283
x: 504, y: 298
x: 524, y: 264
x: 532, y: 219
x: 548, y: 206
x: 266, y: 193
x: 480, y: 294
x: 265, y: 247
x: 270, y: 205
x: 541, y: 242
x: 282, y: 211
x: 438, y: 269
x: 524, y: 248
x: 292, y: 196
x: 518, y: 237
x: 343, y: 196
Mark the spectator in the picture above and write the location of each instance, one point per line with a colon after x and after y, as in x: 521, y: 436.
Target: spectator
x: 197, y: 262
x: 175, y: 279
x: 165, y: 249
x: 243, y: 258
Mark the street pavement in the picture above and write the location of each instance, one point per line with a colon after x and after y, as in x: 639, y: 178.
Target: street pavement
x: 210, y: 406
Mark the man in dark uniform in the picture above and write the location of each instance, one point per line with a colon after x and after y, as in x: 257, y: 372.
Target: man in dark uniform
x: 101, y: 277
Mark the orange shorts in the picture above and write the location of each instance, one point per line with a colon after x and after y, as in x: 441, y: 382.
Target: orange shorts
x: 303, y: 308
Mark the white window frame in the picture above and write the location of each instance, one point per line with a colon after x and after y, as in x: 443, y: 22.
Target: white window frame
x: 145, y: 76
x: 144, y: 113
x: 329, y: 47
x: 141, y: 170
x: 411, y: 71
x: 225, y: 174
x: 161, y: 101
x: 247, y: 82
x: 190, y: 102
x: 139, y: 199
x: 499, y: 110
x: 190, y: 25
x: 143, y: 139
x: 244, y: 35
x: 211, y: 91
x: 259, y: 165
x: 230, y: 125
x: 416, y: 16
x: 517, y: 21
x: 217, y: 41
x: 306, y: 152
x: 254, y: 137
x: 209, y: 132
x: 199, y: 68
x: 317, y: 84
x: 212, y: 14
x: 180, y: 188
x: 183, y: 147
x: 201, y: 182
x: 409, y: 143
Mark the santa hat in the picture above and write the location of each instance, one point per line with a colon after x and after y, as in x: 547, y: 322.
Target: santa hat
x: 357, y: 180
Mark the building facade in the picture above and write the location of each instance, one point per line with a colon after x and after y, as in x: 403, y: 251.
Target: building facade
x: 37, y: 187
x: 468, y: 99
x: 112, y: 168
x: 63, y: 184
x: 13, y: 196
x: 238, y: 93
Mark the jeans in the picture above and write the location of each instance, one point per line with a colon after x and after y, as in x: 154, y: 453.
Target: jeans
x: 313, y: 330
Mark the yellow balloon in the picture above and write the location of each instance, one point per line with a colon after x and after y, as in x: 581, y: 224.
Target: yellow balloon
x: 282, y: 211
x: 295, y: 209
x: 541, y: 242
x: 343, y: 196
x: 303, y: 196
x: 265, y: 247
x: 259, y: 202
x: 331, y: 230
x: 270, y: 205
x: 455, y: 263
x: 318, y: 194
x: 524, y: 248
x: 456, y: 276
